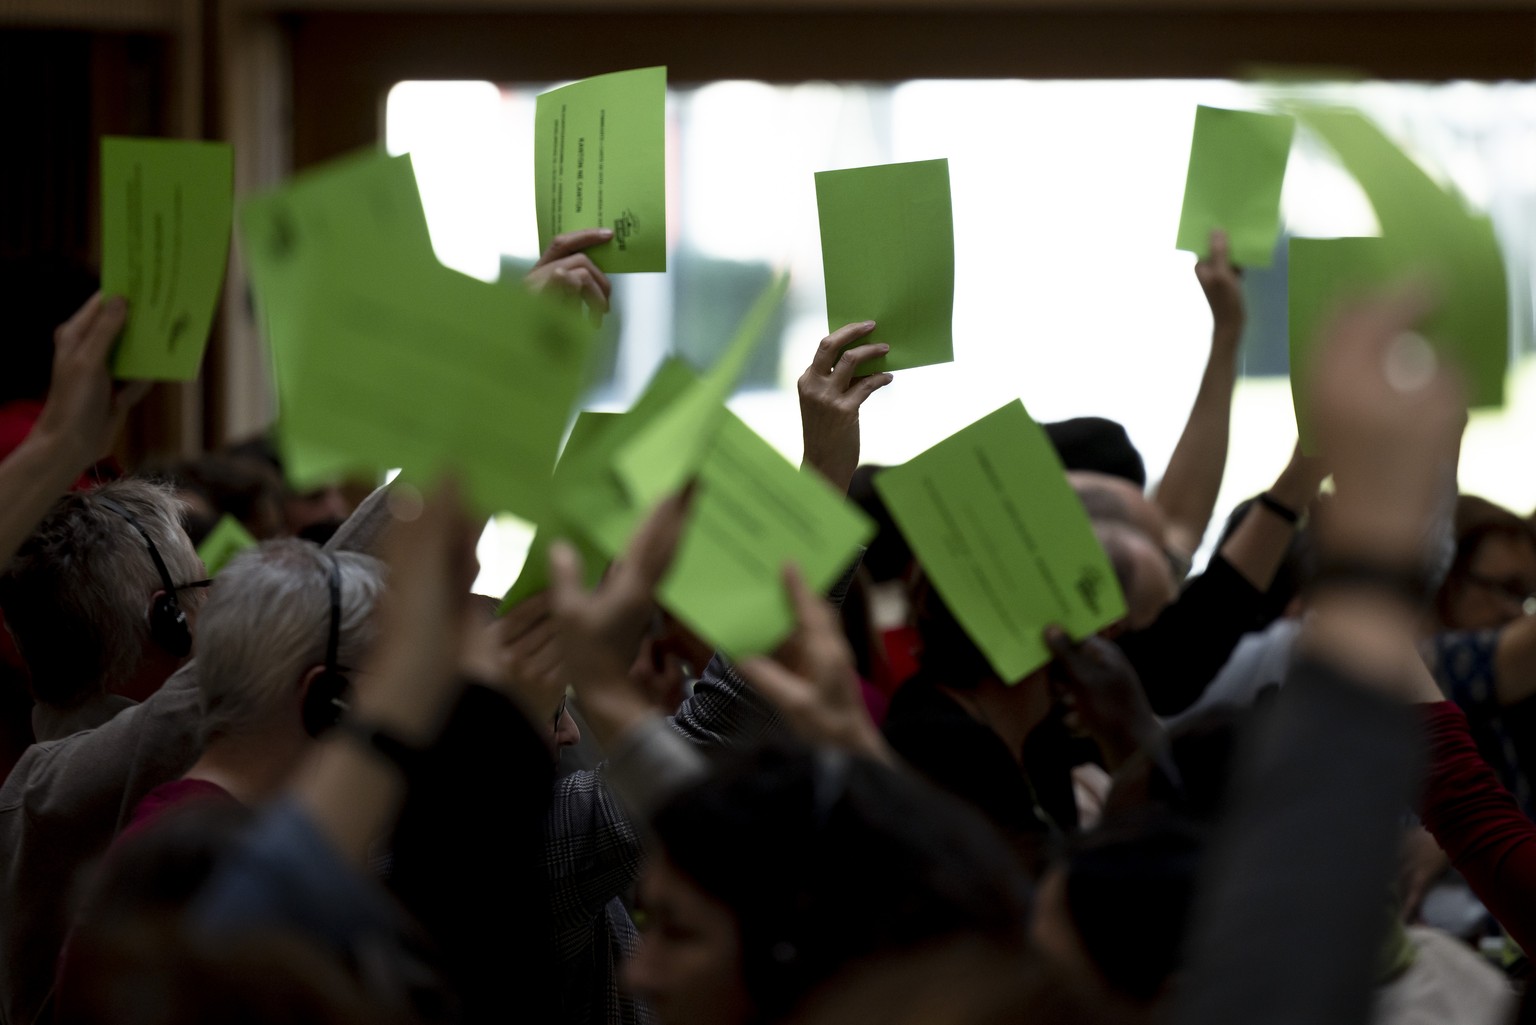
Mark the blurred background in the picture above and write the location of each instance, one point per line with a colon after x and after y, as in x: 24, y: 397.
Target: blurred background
x: 1066, y: 124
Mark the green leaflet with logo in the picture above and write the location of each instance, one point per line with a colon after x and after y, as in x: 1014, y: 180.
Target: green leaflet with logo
x: 1001, y: 534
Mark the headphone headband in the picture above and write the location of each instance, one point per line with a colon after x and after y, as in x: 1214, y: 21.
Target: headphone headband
x: 333, y: 636
x: 149, y: 542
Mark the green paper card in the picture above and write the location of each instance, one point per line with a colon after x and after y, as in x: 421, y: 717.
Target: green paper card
x: 534, y: 576
x: 600, y: 161
x: 753, y: 513
x: 166, y: 208
x: 362, y: 207
x: 660, y: 459
x: 1004, y: 538
x: 1236, y: 168
x: 1431, y: 231
x: 1326, y: 274
x: 592, y: 501
x: 227, y: 539
x: 436, y: 372
x: 888, y: 252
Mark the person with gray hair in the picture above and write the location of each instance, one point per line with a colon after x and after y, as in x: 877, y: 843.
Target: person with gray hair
x: 274, y: 642
x: 101, y: 601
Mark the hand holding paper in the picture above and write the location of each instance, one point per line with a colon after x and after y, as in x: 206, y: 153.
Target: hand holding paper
x: 813, y: 681
x: 1001, y: 534
x: 888, y: 250
x: 600, y: 162
x: 1222, y: 284
x: 1236, y: 169
x: 830, y: 397
x: 567, y: 268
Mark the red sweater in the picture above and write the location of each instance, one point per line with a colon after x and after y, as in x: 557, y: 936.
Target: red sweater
x: 1478, y: 823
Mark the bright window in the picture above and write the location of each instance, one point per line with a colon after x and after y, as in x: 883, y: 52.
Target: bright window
x: 1068, y: 291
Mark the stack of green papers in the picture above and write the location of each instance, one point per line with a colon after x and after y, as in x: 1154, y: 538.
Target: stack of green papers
x: 396, y: 361
x: 660, y: 459
x: 1236, y: 168
x: 753, y: 513
x: 166, y: 209
x: 888, y: 251
x: 600, y: 162
x: 1004, y: 539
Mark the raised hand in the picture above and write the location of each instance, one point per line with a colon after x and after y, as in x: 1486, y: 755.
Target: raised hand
x: 1102, y: 695
x: 830, y: 397
x: 85, y: 411
x: 1222, y: 284
x: 1389, y: 417
x: 566, y: 267
x: 812, y: 678
x: 518, y: 654
x: 598, y: 632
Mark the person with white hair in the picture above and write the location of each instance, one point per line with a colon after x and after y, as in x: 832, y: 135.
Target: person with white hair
x: 102, y: 600
x: 275, y: 639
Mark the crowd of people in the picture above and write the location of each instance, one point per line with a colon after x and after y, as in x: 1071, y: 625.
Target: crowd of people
x: 331, y: 785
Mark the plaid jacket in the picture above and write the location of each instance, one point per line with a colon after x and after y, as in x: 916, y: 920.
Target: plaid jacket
x: 593, y: 853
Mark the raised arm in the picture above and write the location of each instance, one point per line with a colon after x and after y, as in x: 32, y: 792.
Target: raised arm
x: 1257, y: 545
x: 80, y: 420
x: 1188, y: 490
x: 1290, y: 922
x: 830, y: 397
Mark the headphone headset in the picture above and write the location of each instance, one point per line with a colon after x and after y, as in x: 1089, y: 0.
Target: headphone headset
x: 167, y: 621
x: 326, y: 698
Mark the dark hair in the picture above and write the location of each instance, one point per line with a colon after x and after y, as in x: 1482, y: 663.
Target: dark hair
x: 948, y: 654
x: 1130, y: 885
x: 1477, y: 519
x: 827, y: 859
x: 888, y: 555
x: 244, y: 487
x: 1094, y: 443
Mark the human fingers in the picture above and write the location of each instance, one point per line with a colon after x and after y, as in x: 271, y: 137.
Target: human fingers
x: 826, y: 351
x: 848, y: 363
x: 573, y: 242
x: 864, y: 387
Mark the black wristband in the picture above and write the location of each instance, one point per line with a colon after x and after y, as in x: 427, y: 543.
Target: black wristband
x: 1279, y: 508
x: 1410, y: 583
x: 381, y: 742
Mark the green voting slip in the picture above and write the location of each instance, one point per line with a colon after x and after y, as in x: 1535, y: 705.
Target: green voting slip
x: 437, y: 372
x: 1428, y: 230
x: 1326, y: 274
x: 1236, y: 168
x: 753, y: 513
x: 658, y: 461
x: 600, y: 161
x: 888, y: 253
x: 592, y: 500
x: 166, y: 208
x: 361, y: 207
x: 534, y: 576
x: 227, y: 539
x: 1004, y: 538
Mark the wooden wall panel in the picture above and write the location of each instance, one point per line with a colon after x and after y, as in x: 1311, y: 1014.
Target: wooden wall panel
x: 345, y: 63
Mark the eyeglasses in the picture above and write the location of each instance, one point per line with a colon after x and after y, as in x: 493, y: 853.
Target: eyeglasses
x: 195, y: 583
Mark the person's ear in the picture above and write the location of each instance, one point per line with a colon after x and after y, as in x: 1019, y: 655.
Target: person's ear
x: 323, y: 696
